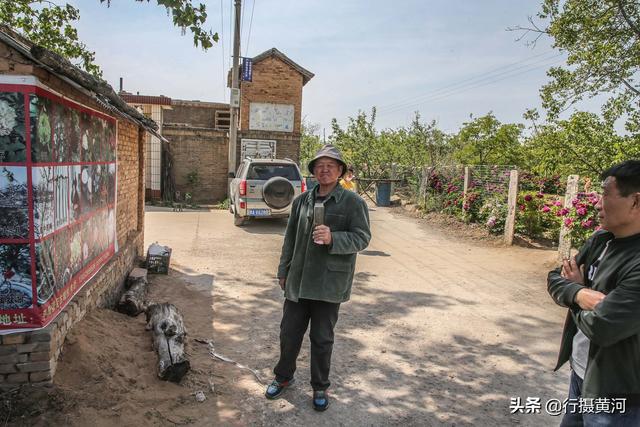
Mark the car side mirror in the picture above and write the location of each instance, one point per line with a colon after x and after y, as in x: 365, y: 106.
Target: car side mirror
x: 232, y: 174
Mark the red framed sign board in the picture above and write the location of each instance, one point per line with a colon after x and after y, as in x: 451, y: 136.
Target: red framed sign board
x: 58, y: 186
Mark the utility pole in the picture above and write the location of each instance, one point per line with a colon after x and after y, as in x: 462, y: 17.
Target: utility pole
x: 233, y: 126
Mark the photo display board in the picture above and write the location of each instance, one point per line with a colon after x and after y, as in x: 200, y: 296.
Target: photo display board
x: 57, y: 200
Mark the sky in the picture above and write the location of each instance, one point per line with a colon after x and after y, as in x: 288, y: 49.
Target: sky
x: 447, y: 59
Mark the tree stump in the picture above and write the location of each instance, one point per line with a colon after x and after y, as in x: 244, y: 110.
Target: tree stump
x: 134, y: 300
x: 167, y: 326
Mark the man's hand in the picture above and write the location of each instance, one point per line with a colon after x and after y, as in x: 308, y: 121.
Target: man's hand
x: 587, y: 299
x: 322, y: 235
x: 282, y: 281
x: 571, y: 271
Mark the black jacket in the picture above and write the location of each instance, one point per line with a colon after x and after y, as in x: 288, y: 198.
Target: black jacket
x: 613, y: 366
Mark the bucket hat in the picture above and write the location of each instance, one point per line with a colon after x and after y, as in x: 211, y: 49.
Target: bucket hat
x: 331, y: 152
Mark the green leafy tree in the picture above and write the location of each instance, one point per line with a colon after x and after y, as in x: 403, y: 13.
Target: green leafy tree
x: 602, y: 41
x: 310, y: 143
x: 584, y: 144
x: 51, y: 26
x: 431, y: 145
x: 370, y: 152
x: 373, y: 153
x: 486, y: 141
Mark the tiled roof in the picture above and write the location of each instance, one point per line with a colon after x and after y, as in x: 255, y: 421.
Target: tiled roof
x: 306, y: 74
x: 145, y: 99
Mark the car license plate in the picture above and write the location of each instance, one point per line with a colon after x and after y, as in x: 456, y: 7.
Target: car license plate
x: 259, y: 212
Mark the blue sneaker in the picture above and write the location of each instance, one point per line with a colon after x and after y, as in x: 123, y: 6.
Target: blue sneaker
x: 320, y: 400
x: 276, y: 388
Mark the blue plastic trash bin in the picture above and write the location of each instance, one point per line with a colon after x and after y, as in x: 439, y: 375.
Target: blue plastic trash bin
x: 383, y: 193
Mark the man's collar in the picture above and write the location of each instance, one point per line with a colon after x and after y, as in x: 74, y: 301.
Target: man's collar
x: 336, y: 193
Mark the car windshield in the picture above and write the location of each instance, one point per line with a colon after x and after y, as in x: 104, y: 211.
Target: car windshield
x: 267, y: 171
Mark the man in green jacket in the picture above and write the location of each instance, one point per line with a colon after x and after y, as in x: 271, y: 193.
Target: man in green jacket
x: 601, y: 288
x: 316, y: 271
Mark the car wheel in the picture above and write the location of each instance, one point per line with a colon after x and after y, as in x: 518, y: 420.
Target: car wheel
x: 238, y: 220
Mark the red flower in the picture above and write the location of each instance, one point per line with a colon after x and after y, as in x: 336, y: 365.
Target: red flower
x: 587, y: 224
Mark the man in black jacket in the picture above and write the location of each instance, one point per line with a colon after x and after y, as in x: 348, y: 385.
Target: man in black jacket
x: 601, y: 288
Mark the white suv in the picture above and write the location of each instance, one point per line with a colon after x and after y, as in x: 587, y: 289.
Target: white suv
x: 264, y: 188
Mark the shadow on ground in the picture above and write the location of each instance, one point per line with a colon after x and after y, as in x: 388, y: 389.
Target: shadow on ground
x: 403, y: 382
x: 265, y: 226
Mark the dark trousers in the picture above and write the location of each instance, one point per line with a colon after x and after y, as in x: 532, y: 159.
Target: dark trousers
x: 295, y: 320
x: 630, y: 418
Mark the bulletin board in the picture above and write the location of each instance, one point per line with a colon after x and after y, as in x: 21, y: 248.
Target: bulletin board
x: 58, y: 189
x: 271, y: 117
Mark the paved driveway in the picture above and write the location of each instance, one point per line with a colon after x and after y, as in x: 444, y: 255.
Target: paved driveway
x: 439, y: 331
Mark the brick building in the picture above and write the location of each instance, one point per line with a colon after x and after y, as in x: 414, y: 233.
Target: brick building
x: 31, y: 356
x: 196, y: 157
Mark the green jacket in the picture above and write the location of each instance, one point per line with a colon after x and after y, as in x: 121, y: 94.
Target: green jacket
x: 613, y: 328
x: 321, y: 272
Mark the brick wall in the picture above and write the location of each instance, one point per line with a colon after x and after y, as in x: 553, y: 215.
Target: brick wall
x: 31, y: 357
x: 130, y: 197
x: 204, y: 151
x: 273, y: 82
x: 194, y: 113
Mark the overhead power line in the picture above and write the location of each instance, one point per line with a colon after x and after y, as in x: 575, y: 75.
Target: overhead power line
x: 253, y: 6
x: 470, y: 80
x: 222, y: 42
x: 476, y: 82
x: 440, y: 95
x: 230, y: 34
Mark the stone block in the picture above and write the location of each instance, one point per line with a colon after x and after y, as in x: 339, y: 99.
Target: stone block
x: 13, y: 339
x: 27, y: 348
x: 42, y: 335
x: 41, y: 356
x: 7, y: 349
x: 36, y: 377
x: 8, y: 369
x: 9, y: 358
x: 42, y: 346
x: 18, y: 378
x: 34, y: 366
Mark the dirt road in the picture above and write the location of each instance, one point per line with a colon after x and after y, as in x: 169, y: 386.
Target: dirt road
x: 439, y: 331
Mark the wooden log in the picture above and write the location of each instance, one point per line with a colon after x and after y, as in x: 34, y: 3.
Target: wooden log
x: 134, y: 300
x: 135, y: 275
x: 167, y: 326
